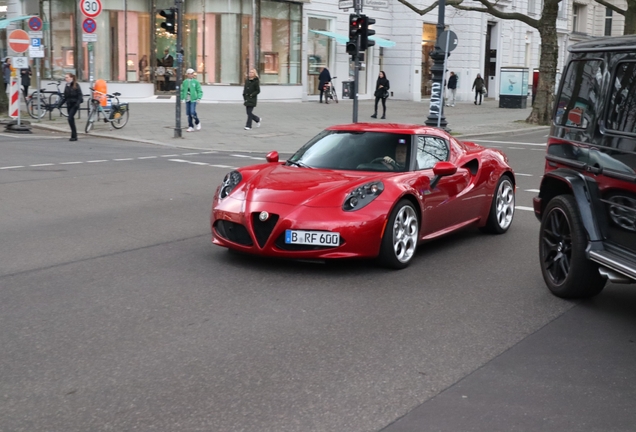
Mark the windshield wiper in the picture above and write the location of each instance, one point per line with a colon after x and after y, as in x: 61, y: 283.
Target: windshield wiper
x: 298, y: 164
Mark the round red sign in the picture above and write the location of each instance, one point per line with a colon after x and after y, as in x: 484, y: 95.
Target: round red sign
x: 19, y: 41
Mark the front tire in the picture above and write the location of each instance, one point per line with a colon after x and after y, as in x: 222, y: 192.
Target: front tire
x: 32, y: 105
x: 92, y: 116
x: 502, y: 209
x: 562, y: 241
x: 400, y: 238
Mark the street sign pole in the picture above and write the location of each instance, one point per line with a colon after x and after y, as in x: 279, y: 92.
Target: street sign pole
x: 356, y: 65
x: 177, y: 128
x: 439, y: 118
x: 37, y: 80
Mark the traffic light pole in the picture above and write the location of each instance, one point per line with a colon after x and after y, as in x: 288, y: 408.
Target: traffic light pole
x: 178, y: 7
x: 356, y: 65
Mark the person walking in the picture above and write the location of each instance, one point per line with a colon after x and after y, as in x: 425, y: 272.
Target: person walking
x: 452, y: 89
x: 479, y: 86
x: 323, y: 79
x: 6, y: 72
x: 250, y: 95
x: 382, y: 87
x: 25, y: 75
x: 191, y: 93
x: 73, y: 98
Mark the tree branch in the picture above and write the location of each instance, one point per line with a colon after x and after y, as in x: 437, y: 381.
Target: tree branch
x: 416, y: 10
x: 492, y: 10
x: 612, y: 7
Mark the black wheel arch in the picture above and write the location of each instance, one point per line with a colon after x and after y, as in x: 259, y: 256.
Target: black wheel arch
x: 584, y: 190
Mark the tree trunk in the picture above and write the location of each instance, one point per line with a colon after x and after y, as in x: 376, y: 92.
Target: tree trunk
x: 630, y: 18
x: 542, y: 109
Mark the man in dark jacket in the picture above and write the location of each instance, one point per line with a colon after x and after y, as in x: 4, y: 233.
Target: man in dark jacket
x: 452, y: 89
x: 323, y: 79
x: 250, y: 96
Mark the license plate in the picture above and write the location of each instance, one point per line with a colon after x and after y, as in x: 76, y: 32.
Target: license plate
x: 314, y: 238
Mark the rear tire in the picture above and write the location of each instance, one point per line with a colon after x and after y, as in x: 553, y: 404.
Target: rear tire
x: 335, y: 96
x: 562, y: 241
x: 92, y: 116
x: 32, y: 105
x: 54, y: 101
x: 502, y: 209
x: 400, y: 238
x: 120, y: 122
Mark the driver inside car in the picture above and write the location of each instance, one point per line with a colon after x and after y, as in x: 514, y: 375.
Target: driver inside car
x: 399, y: 162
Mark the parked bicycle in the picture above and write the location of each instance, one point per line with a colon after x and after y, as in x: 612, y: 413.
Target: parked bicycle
x: 115, y: 113
x: 47, y: 104
x: 330, y: 91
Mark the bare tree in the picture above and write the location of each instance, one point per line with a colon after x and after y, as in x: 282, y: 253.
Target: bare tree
x: 629, y: 14
x: 545, y: 25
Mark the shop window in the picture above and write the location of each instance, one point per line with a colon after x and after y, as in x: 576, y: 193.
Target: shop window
x: 280, y: 42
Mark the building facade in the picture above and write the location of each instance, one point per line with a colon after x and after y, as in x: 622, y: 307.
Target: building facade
x: 289, y: 41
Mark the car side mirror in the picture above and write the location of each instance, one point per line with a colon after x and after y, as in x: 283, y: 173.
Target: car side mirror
x: 272, y: 156
x: 444, y: 169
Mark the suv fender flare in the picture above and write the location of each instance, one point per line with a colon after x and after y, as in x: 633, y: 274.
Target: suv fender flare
x: 585, y: 191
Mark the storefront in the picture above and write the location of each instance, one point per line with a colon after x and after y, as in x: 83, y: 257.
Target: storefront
x: 218, y: 42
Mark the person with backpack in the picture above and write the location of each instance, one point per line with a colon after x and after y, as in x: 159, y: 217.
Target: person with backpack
x: 191, y: 93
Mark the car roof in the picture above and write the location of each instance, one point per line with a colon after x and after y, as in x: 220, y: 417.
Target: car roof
x: 619, y: 43
x: 393, y: 128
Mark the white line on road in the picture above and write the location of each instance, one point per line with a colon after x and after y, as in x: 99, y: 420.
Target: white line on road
x: 12, y: 167
x: 523, y: 175
x: 173, y: 155
x: 524, y: 208
x: 39, y: 165
x: 189, y: 154
x: 97, y: 161
x: 516, y: 148
x: 511, y: 142
x: 532, y: 190
x: 70, y: 163
x: 123, y: 159
x: 223, y: 166
x: 147, y: 157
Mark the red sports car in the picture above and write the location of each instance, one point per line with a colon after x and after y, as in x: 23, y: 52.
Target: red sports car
x: 371, y: 190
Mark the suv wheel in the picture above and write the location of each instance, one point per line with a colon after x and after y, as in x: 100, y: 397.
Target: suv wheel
x: 562, y: 242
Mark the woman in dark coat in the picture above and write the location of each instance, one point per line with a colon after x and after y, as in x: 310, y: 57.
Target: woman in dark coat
x: 73, y: 98
x: 25, y: 74
x: 323, y: 79
x: 250, y: 95
x: 478, y: 86
x: 381, y: 92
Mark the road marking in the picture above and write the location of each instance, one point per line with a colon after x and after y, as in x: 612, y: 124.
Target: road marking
x: 97, y: 161
x: 123, y: 159
x: 189, y: 154
x: 147, y: 157
x: 208, y: 152
x: 516, y: 148
x: 39, y: 165
x: 70, y: 163
x: 532, y: 190
x: 523, y: 175
x: 174, y: 155
x: 524, y: 208
x: 12, y: 167
x: 223, y: 166
x: 541, y: 150
x: 511, y: 142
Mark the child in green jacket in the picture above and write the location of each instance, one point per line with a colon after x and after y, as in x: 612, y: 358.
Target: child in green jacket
x: 191, y: 93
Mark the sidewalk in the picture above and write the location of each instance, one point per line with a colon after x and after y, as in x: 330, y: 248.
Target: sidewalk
x: 286, y: 126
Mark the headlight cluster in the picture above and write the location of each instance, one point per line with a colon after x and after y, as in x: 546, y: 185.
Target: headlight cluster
x: 230, y: 181
x: 362, y: 196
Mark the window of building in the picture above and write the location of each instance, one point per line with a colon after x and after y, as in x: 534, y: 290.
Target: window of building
x: 608, y: 22
x: 280, y: 42
x: 532, y: 7
x: 622, y: 108
x: 580, y: 93
x: 561, y: 12
x: 318, y: 52
x: 578, y: 18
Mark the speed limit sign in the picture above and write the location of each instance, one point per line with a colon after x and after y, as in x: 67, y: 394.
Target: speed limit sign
x: 91, y: 8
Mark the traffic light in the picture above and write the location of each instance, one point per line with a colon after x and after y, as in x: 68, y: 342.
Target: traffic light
x: 171, y: 17
x: 354, y: 27
x: 365, y: 31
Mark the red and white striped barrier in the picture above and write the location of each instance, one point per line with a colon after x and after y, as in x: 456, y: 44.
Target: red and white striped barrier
x: 14, y: 98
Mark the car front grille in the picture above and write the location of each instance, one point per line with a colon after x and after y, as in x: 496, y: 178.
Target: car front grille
x: 233, y: 232
x: 263, y: 229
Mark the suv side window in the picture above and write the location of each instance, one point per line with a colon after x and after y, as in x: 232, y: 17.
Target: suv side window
x: 580, y: 94
x: 622, y: 112
x: 431, y: 150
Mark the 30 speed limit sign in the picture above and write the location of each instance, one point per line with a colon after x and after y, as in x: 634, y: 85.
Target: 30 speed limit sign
x: 91, y: 8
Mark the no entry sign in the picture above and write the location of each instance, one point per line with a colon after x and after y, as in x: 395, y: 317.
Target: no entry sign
x: 19, y: 41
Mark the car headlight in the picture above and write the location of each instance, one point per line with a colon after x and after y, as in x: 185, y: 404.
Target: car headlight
x: 230, y: 181
x: 363, y: 195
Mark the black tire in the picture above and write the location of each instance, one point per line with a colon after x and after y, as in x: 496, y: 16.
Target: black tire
x: 32, y: 105
x: 502, y: 208
x: 562, y: 242
x: 401, y: 235
x: 335, y: 96
x: 121, y: 120
x: 92, y: 116
x: 54, y: 100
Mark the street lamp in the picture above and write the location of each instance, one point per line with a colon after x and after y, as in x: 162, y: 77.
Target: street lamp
x: 436, y: 109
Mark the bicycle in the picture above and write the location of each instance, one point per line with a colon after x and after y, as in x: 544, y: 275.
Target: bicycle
x: 330, y: 91
x: 116, y: 114
x: 52, y: 104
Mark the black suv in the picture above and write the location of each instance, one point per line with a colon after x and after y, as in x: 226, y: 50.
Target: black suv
x: 587, y: 201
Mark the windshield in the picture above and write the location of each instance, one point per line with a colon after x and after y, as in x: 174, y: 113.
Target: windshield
x: 359, y: 151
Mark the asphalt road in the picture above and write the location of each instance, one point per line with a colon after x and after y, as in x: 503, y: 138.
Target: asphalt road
x: 118, y: 314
